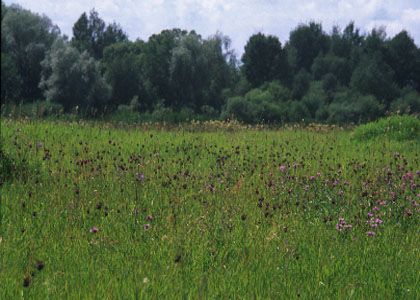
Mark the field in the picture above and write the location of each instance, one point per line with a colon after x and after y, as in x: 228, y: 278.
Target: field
x: 99, y: 211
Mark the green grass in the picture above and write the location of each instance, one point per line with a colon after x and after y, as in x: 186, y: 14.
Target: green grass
x: 400, y: 128
x: 225, y: 221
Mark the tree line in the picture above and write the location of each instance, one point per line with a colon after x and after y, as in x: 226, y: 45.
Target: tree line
x: 340, y: 77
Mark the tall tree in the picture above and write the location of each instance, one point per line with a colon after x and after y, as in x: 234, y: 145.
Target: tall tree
x: 264, y: 60
x: 306, y: 42
x: 374, y: 77
x: 404, y: 58
x: 73, y: 79
x: 122, y: 63
x: 25, y: 39
x: 93, y: 35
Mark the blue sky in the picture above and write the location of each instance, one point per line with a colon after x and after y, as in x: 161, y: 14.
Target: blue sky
x: 236, y: 18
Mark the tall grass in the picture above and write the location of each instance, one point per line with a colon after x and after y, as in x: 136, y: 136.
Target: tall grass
x: 131, y: 212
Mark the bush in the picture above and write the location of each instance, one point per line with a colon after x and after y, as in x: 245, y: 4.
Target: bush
x: 408, y: 104
x: 349, y: 107
x: 239, y: 108
x: 400, y: 128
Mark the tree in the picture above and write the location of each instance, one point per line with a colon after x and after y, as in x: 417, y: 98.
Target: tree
x: 306, y: 42
x: 301, y: 84
x: 157, y: 60
x: 72, y: 79
x: 10, y: 79
x: 340, y: 67
x: 26, y: 37
x: 374, y: 77
x: 264, y: 60
x: 93, y: 35
x: 122, y: 63
x: 404, y: 59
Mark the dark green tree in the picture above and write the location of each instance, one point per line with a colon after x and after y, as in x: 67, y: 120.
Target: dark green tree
x: 374, y: 77
x: 25, y: 39
x: 404, y: 59
x: 122, y: 63
x: 306, y: 42
x: 264, y: 60
x: 73, y: 79
x: 93, y: 35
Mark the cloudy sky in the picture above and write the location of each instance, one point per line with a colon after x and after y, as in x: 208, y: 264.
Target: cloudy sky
x: 236, y: 18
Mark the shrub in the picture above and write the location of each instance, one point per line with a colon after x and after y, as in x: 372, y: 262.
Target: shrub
x: 398, y: 128
x: 348, y: 107
x: 239, y: 108
x: 409, y: 103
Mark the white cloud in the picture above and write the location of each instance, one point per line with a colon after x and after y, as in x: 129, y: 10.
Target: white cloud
x: 237, y: 19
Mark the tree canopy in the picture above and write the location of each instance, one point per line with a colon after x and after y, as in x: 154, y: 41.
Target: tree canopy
x: 339, y: 76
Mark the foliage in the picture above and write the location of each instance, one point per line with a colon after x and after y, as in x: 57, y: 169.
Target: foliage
x: 73, y: 79
x: 91, y: 34
x: 400, y: 128
x: 264, y: 60
x: 25, y: 39
x: 408, y: 103
x: 344, y: 76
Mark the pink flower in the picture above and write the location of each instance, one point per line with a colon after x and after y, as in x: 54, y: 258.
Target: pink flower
x: 375, y: 208
x: 282, y: 168
x: 370, y: 233
x: 94, y: 229
x: 370, y: 214
x: 378, y: 221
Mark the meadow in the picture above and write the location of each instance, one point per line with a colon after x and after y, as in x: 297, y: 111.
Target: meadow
x: 101, y: 211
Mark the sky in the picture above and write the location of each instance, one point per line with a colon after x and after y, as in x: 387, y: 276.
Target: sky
x: 238, y: 19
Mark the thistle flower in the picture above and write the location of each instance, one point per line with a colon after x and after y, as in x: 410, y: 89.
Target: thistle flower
x: 94, y: 229
x: 370, y: 233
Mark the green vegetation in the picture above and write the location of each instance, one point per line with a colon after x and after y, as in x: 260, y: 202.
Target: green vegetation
x: 337, y: 77
x: 208, y: 210
x: 400, y: 128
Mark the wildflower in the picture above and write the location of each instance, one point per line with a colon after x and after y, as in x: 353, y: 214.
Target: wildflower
x: 282, y: 168
x: 146, y: 226
x: 370, y: 233
x: 370, y: 214
x: 94, y: 229
x: 375, y: 208
x: 312, y: 178
x: 378, y: 221
x: 145, y: 280
x: 342, y: 225
x: 149, y: 218
x: 140, y: 177
x: 39, y: 265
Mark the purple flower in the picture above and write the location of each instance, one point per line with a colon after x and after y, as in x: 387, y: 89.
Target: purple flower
x: 140, y: 177
x: 378, y: 221
x: 282, y: 168
x: 341, y: 225
x: 94, y: 229
x: 375, y: 208
x: 370, y: 214
x: 312, y: 178
x: 370, y: 233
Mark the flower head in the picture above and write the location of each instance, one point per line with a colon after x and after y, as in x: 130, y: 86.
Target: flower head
x: 94, y: 229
